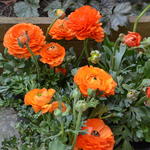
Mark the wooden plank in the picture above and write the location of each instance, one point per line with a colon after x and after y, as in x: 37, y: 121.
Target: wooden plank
x: 43, y: 22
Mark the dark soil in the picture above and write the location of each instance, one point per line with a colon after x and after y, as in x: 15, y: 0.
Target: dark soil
x: 141, y: 146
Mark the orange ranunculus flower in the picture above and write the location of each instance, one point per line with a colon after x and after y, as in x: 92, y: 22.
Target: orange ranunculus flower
x: 37, y: 98
x: 53, y: 106
x: 99, y: 136
x: 148, y: 92
x: 25, y: 33
x: 84, y: 23
x: 61, y: 70
x: 52, y: 54
x: 60, y: 31
x: 89, y: 77
x: 132, y: 39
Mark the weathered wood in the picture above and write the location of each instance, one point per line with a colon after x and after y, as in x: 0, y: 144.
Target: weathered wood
x: 43, y: 22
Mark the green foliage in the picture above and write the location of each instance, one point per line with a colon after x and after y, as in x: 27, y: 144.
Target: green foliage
x: 27, y: 8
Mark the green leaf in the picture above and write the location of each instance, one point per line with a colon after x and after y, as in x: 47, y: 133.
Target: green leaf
x: 119, y: 55
x: 28, y: 8
x: 56, y: 145
x: 147, y: 69
x: 126, y: 145
x: 145, y: 83
x: 119, y: 17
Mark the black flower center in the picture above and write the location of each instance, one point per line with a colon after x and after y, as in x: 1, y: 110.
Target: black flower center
x: 95, y: 133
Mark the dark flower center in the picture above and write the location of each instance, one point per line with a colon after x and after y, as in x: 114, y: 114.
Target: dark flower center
x: 95, y: 133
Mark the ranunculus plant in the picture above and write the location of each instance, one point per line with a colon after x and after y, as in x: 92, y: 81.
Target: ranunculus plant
x: 65, y: 105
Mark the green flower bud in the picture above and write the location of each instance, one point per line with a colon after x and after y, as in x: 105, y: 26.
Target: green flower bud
x: 132, y: 94
x: 81, y: 106
x: 60, y: 13
x: 121, y: 37
x: 67, y: 110
x: 95, y: 57
x: 76, y: 93
x: 57, y: 112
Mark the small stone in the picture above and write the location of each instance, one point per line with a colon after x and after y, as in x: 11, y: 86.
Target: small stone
x: 8, y: 121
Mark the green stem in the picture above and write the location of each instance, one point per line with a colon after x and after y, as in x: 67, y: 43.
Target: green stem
x: 114, y: 53
x: 50, y: 26
x: 108, y: 116
x: 79, y: 59
x: 100, y: 65
x: 85, y: 49
x: 62, y: 128
x: 139, y: 17
x: 85, y: 42
x: 34, y: 59
x: 74, y: 111
x: 77, y: 128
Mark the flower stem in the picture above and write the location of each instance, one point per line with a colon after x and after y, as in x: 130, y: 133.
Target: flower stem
x: 74, y: 111
x: 50, y: 26
x: 34, y: 59
x: 77, y: 128
x: 85, y: 49
x: 79, y: 59
x: 139, y: 17
x: 62, y: 128
x: 108, y: 116
x: 85, y: 42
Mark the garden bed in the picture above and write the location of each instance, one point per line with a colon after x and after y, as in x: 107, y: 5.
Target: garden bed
x: 127, y: 107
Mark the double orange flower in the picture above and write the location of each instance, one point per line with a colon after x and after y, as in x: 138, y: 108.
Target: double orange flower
x: 83, y: 23
x: 24, y: 33
x: 89, y: 77
x: 99, y: 136
x: 40, y: 100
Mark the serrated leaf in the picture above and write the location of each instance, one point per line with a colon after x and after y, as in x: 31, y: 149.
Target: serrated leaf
x: 106, y: 6
x: 119, y: 17
x: 26, y: 9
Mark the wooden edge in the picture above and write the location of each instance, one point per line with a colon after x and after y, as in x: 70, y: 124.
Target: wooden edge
x: 47, y: 20
x: 34, y: 20
x: 144, y: 19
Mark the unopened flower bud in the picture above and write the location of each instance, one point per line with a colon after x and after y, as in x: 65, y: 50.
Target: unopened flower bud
x: 57, y: 112
x: 81, y: 106
x: 60, y: 13
x: 76, y: 93
x: 132, y: 94
x: 95, y: 57
x: 121, y: 36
